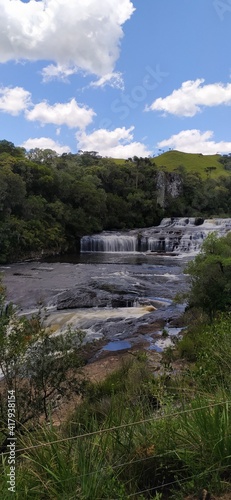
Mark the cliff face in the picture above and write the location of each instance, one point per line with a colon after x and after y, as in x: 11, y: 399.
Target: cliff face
x: 168, y: 184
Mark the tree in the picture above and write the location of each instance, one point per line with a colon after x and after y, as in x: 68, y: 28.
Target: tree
x: 209, y: 170
x: 43, y: 156
x: 12, y: 192
x: 210, y: 274
x: 11, y: 149
x: 36, y: 365
x: 89, y: 157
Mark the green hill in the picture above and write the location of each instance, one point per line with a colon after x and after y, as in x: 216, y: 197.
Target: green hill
x: 171, y: 160
x: 193, y: 162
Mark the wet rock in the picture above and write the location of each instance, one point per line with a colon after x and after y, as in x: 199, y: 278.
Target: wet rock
x: 124, y: 301
x: 122, y: 329
x: 119, y: 286
x: 82, y: 298
x: 147, y: 302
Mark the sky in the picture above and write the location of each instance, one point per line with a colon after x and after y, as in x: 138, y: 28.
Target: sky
x: 120, y: 77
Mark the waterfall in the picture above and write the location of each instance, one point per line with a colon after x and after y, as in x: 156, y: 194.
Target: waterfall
x: 176, y: 234
x: 109, y: 243
x: 161, y: 244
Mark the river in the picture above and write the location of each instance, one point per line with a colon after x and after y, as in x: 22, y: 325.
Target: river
x: 128, y: 288
x: 31, y: 283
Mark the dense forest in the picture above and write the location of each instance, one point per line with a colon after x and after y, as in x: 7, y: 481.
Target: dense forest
x: 48, y: 202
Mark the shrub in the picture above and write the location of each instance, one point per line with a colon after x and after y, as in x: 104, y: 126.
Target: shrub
x: 186, y: 348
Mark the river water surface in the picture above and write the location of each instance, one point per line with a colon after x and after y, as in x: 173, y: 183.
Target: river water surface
x: 150, y: 279
x: 30, y: 283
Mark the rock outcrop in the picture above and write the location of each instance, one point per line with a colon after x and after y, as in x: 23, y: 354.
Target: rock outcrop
x: 168, y: 184
x: 88, y: 297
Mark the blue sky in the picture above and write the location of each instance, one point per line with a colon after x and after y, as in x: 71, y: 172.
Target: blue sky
x: 120, y: 77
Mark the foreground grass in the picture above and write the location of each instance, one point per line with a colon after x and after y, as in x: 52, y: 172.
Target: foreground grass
x: 136, y: 436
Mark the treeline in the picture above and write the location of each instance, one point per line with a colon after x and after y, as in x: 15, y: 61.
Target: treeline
x: 48, y: 202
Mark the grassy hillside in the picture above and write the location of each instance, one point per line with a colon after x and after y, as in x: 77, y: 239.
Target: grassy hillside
x: 192, y: 162
x: 171, y: 160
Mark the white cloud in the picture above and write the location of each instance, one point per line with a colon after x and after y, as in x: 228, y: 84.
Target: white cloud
x: 191, y: 97
x: 14, y: 100
x: 74, y: 33
x: 195, y: 141
x: 117, y: 143
x: 58, y: 72
x: 71, y: 114
x: 45, y: 143
x: 115, y: 80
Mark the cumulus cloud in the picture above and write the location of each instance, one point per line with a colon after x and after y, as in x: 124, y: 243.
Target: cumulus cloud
x: 195, y: 141
x: 45, y: 143
x: 14, y: 100
x: 114, y: 80
x: 117, y: 143
x: 59, y: 72
x: 191, y: 97
x: 71, y: 114
x: 76, y: 34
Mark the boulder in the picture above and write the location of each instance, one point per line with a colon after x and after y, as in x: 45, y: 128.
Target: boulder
x: 82, y: 298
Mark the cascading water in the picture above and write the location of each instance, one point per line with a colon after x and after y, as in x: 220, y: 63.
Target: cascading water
x: 161, y: 244
x: 109, y: 243
x: 172, y: 235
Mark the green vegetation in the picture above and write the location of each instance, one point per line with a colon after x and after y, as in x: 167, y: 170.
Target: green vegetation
x: 204, y: 165
x: 48, y: 202
x: 36, y: 366
x: 133, y: 436
x: 210, y: 275
x: 211, y: 166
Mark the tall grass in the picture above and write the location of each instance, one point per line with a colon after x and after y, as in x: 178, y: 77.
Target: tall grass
x: 132, y: 433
